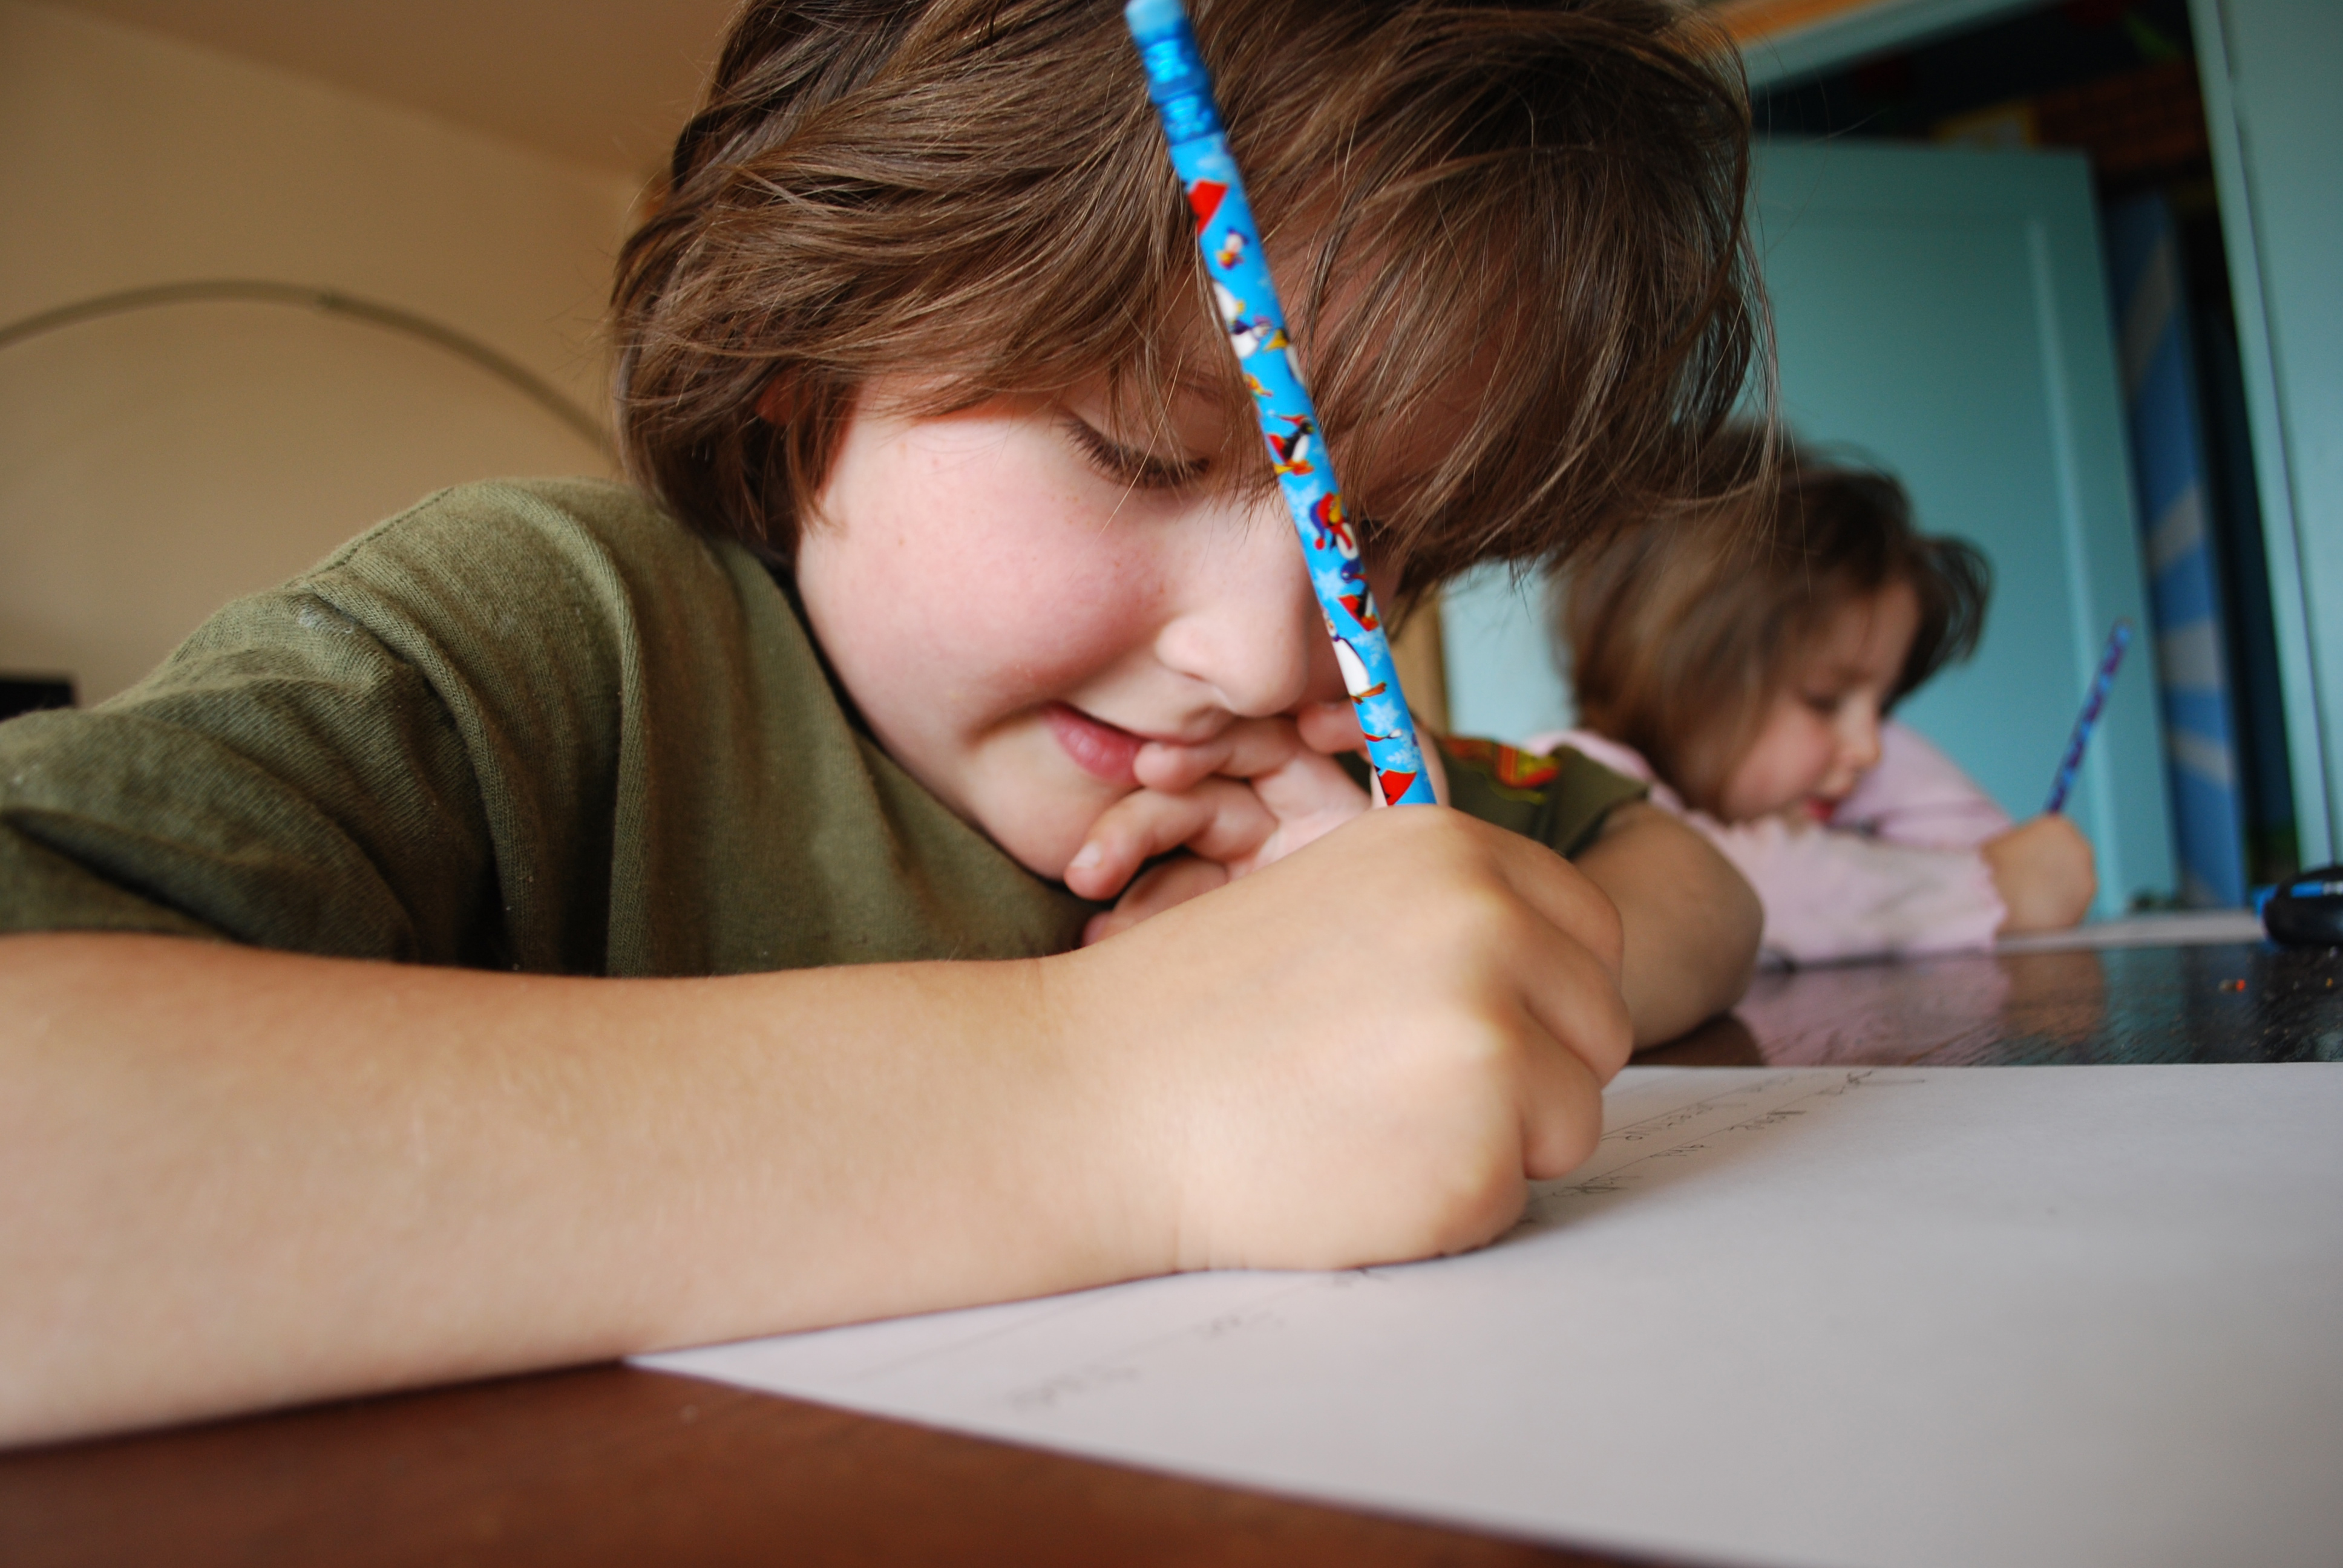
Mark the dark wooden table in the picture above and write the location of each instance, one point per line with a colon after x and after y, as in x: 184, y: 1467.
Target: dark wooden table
x: 610, y: 1465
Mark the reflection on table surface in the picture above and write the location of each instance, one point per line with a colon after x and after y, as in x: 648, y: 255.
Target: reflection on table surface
x: 2232, y: 1002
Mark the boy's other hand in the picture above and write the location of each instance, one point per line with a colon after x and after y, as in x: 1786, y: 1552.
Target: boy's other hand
x: 1359, y: 1054
x: 1253, y: 792
x: 2045, y: 872
x: 1256, y: 792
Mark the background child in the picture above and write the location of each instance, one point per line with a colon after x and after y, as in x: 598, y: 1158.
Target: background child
x: 686, y: 818
x: 1744, y: 661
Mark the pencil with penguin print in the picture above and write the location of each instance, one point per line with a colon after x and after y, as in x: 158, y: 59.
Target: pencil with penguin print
x: 1182, y: 92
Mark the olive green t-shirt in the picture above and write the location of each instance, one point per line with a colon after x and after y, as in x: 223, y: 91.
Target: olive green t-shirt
x: 541, y: 724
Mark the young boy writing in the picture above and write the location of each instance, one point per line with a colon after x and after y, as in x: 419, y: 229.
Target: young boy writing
x: 733, y: 849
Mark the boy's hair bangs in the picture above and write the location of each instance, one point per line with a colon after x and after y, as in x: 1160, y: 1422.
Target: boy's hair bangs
x: 1526, y: 254
x: 1510, y: 236
x: 969, y: 195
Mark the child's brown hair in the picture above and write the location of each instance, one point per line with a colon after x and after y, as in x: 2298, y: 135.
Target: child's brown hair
x: 1681, y: 631
x: 1532, y: 210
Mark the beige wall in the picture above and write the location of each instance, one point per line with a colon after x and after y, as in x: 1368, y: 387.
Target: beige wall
x: 154, y: 465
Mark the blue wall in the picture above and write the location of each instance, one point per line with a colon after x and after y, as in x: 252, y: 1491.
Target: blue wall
x: 2273, y: 75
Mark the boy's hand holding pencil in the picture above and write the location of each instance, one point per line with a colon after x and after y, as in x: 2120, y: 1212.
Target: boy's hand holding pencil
x: 1405, y: 1021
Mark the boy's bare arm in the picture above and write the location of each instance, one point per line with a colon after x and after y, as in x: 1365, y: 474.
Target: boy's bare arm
x: 239, y: 1179
x: 1692, y: 923
x: 242, y: 1178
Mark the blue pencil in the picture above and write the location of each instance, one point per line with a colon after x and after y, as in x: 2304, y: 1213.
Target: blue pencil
x: 1182, y: 93
x: 2088, y: 720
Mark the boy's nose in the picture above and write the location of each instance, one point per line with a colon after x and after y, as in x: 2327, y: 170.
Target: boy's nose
x: 1247, y: 625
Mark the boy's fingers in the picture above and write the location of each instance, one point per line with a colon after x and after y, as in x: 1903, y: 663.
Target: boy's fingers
x: 1244, y: 750
x: 1296, y: 783
x: 1310, y: 788
x: 1221, y: 820
x: 1565, y: 955
x: 1331, y: 727
x: 1158, y: 889
x: 1558, y: 892
x: 1573, y: 997
x: 1562, y: 1109
x: 1432, y: 762
x: 1161, y: 765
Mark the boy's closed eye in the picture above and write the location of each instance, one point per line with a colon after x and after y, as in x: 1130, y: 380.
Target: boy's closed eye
x: 1140, y: 467
x: 1132, y: 465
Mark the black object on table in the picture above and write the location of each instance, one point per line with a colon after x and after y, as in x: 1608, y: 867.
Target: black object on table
x: 2307, y: 910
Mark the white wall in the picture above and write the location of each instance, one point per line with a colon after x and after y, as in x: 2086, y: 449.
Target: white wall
x: 154, y: 465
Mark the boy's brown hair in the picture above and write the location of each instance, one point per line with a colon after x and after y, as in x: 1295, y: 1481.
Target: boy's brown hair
x: 1681, y: 632
x: 1528, y: 214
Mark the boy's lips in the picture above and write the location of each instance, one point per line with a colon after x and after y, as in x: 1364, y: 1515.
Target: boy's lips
x: 1098, y: 747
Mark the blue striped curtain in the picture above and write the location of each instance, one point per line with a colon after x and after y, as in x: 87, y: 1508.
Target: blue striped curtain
x: 2167, y: 450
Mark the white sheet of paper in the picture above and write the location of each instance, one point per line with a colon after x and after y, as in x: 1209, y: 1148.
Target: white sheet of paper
x: 2175, y: 929
x: 1813, y: 1316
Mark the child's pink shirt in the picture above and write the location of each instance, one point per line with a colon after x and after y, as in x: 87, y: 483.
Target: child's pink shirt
x: 1894, y: 870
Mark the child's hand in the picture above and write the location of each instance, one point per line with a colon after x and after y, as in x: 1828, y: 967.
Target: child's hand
x: 1256, y: 792
x: 1359, y: 1054
x: 2045, y: 873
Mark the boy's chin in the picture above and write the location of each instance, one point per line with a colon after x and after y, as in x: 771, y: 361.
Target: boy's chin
x: 1044, y: 840
x: 1024, y: 794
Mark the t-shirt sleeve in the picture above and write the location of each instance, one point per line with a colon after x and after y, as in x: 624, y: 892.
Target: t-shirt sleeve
x: 285, y: 779
x: 408, y: 753
x: 1561, y: 800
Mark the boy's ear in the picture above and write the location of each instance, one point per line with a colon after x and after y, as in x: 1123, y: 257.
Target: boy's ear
x: 779, y: 404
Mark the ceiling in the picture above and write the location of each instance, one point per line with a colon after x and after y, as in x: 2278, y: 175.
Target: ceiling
x: 605, y: 83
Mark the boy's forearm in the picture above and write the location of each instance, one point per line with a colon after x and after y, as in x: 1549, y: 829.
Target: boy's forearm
x: 1692, y: 923
x: 240, y: 1179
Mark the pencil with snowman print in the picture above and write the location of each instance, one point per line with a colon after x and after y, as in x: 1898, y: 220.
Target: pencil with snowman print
x: 1182, y: 91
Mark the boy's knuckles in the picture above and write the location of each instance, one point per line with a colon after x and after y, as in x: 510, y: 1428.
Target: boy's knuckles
x: 1475, y: 923
x: 1473, y: 1213
x: 1395, y: 1210
x: 1563, y: 1138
